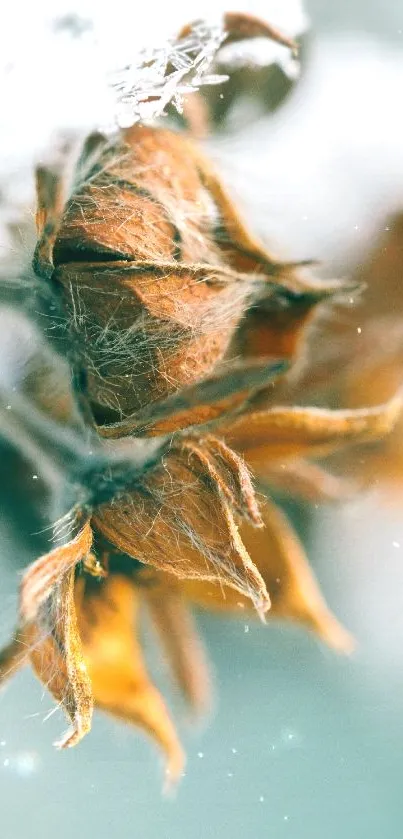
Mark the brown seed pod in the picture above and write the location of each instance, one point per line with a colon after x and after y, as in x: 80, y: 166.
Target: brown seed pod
x: 156, y: 269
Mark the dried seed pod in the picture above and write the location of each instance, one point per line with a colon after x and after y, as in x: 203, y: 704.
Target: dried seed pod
x: 155, y: 269
x: 189, y: 498
x: 179, y: 322
x: 140, y: 271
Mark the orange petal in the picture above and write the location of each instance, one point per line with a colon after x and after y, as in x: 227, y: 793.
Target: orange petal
x: 179, y: 521
x: 108, y: 613
x: 178, y: 635
x: 285, y: 432
x: 293, y: 589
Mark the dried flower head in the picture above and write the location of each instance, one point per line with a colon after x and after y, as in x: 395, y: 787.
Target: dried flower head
x: 178, y: 326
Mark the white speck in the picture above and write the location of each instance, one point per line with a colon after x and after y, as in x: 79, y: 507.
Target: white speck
x: 25, y: 764
x: 200, y: 754
x: 230, y: 774
x: 2, y: 742
x: 359, y: 330
x: 234, y: 751
x: 8, y: 407
x: 286, y: 818
x: 34, y: 477
x: 246, y: 628
x: 261, y: 799
x: 290, y: 739
x: 396, y: 544
x: 6, y: 762
x: 356, y: 227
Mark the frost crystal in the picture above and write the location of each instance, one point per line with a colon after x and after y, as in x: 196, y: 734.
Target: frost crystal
x: 165, y: 74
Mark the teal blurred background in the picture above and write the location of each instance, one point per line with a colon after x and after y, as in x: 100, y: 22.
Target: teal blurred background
x: 301, y: 743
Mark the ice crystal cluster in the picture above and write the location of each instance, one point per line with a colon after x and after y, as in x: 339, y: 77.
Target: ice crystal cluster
x: 160, y: 75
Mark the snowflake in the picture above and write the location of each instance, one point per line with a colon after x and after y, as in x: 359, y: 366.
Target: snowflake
x: 166, y: 74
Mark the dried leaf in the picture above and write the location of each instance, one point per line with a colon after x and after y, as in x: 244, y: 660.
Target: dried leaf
x: 40, y: 578
x: 57, y: 657
x: 288, y: 432
x: 280, y: 558
x: 228, y: 472
x: 354, y: 357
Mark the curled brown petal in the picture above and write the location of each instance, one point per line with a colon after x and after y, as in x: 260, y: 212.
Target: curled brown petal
x: 285, y: 432
x: 57, y: 657
x: 239, y: 26
x: 41, y: 576
x: 294, y: 592
x: 228, y: 471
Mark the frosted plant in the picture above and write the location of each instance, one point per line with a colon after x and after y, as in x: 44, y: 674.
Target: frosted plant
x: 165, y: 74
